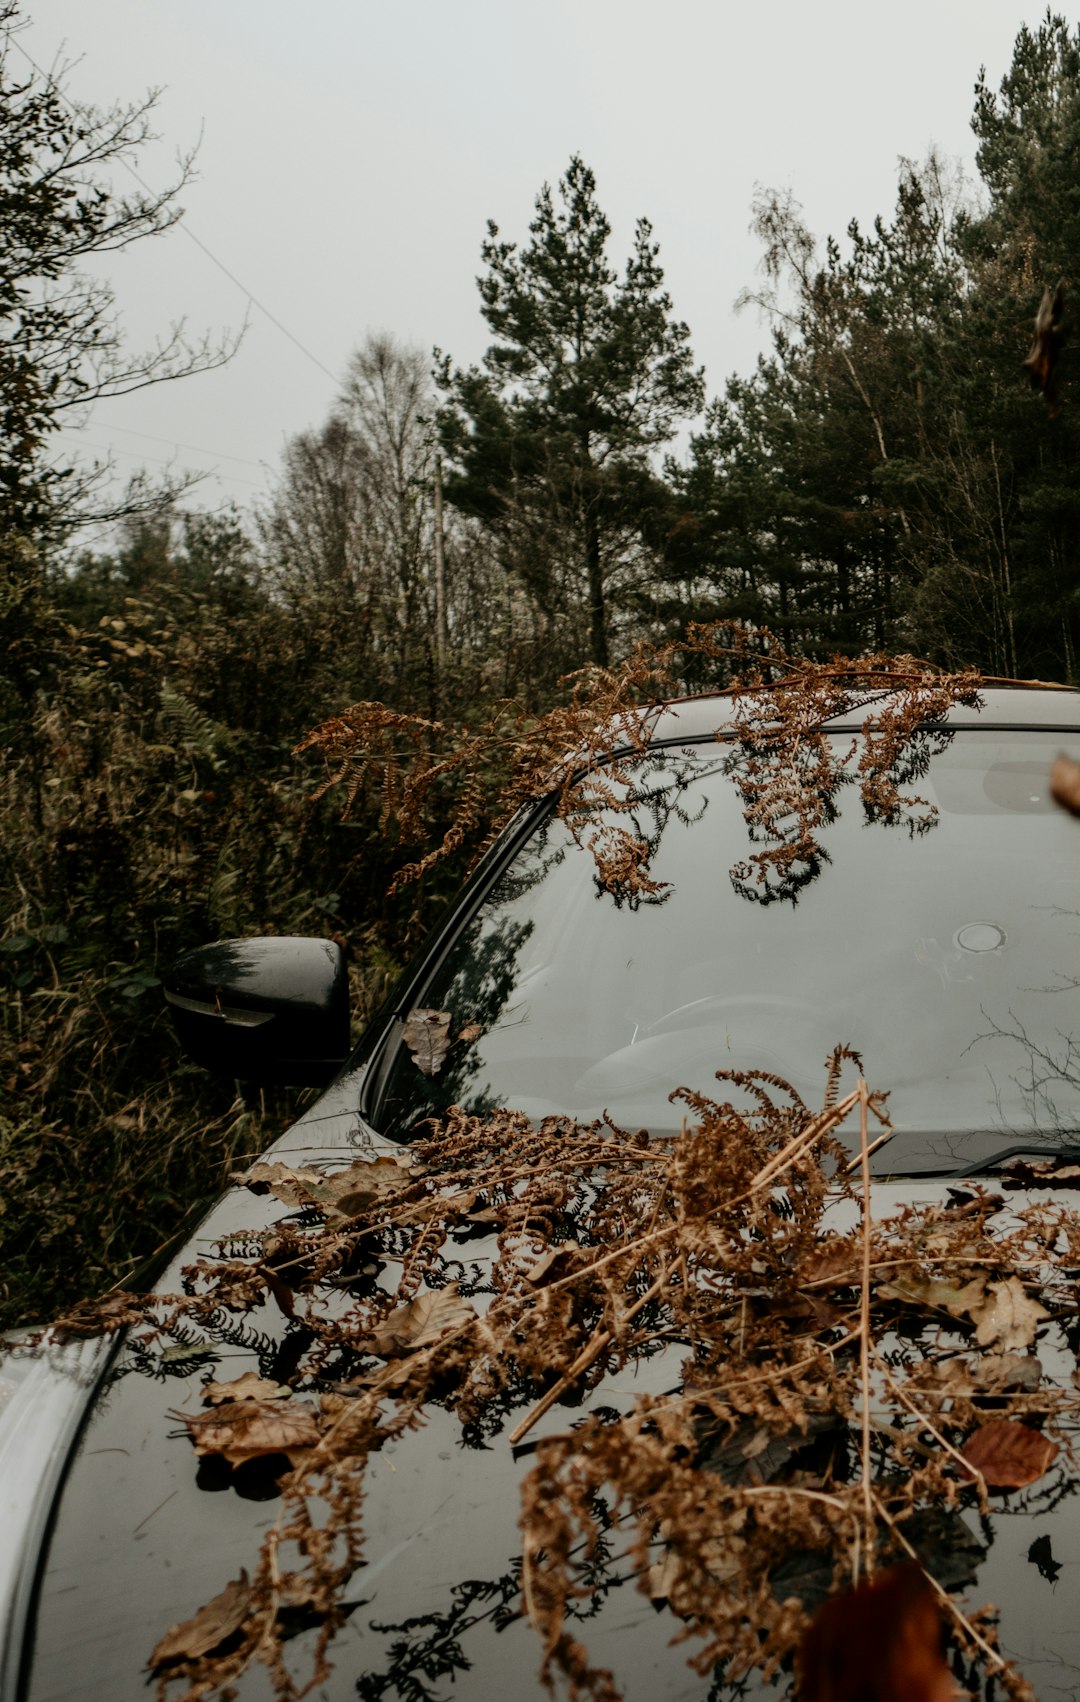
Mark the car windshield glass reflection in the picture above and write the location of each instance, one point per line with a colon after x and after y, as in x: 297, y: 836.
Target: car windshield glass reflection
x: 944, y: 949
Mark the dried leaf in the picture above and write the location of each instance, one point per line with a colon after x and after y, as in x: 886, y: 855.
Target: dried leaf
x: 181, y: 1351
x: 427, y: 1035
x: 835, y: 1259
x: 663, y: 1575
x: 556, y: 1263
x: 208, y: 1628
x: 98, y: 1317
x: 880, y: 1642
x: 364, y: 1186
x: 1000, y: 1371
x: 1065, y: 784
x: 953, y: 1376
x: 986, y: 1373
x: 969, y: 1202
x: 1023, y: 1174
x: 249, y: 1387
x: 470, y: 1033
x: 352, y: 1192
x: 943, y: 1296
x: 290, y: 1186
x: 1007, y: 1319
x: 1008, y: 1454
x: 247, y: 1430
x: 945, y: 1546
x: 720, y: 1558
x: 393, y: 1375
x: 486, y: 1214
x: 422, y: 1321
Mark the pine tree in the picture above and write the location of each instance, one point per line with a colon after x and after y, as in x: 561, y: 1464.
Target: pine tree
x: 551, y: 440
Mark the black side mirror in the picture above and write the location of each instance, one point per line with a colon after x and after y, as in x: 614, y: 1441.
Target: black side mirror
x: 264, y: 1010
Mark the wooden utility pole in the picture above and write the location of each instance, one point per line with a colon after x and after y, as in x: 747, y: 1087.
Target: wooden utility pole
x: 440, y: 571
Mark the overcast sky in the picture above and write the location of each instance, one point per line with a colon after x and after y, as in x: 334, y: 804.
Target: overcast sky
x: 351, y: 152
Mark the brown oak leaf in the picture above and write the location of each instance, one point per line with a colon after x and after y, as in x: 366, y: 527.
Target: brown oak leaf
x: 206, y: 1629
x: 351, y: 1192
x: 1007, y: 1319
x: 1008, y: 1454
x: 999, y: 1371
x: 986, y: 1373
x: 363, y: 1187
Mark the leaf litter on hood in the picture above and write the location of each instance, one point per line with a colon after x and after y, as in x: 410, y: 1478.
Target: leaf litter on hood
x: 427, y: 1035
x: 422, y: 1321
x: 206, y: 1630
x: 1008, y: 1318
x: 363, y: 1187
x: 249, y: 1387
x: 609, y: 1248
x: 249, y: 1430
x: 1008, y: 1454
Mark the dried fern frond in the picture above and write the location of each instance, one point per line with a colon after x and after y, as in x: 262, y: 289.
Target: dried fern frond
x: 585, y: 750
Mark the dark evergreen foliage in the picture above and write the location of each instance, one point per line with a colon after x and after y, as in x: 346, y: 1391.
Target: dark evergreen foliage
x: 552, y: 436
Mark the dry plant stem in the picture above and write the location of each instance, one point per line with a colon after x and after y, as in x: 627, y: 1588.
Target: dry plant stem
x: 863, y: 1094
x: 585, y: 1358
x: 819, y: 1126
x: 823, y: 1124
x: 927, y: 1422
x: 608, y: 1258
x: 879, y: 1141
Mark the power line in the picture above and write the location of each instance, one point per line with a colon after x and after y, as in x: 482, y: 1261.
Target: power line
x: 186, y: 228
x: 152, y: 437
x: 161, y: 461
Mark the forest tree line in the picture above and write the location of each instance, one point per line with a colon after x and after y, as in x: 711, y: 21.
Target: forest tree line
x: 886, y: 479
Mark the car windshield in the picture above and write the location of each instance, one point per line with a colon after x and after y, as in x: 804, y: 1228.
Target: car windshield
x: 949, y: 958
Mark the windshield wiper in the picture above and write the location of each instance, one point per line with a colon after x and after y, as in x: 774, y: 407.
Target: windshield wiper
x: 995, y: 1160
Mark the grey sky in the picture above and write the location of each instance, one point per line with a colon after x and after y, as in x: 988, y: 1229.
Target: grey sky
x: 352, y: 151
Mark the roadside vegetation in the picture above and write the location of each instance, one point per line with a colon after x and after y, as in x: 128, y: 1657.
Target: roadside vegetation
x: 889, y: 480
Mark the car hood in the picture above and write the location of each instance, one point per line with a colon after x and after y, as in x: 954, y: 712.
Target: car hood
x: 143, y: 1539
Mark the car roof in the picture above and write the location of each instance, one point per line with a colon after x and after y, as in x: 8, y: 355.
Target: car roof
x: 1034, y: 706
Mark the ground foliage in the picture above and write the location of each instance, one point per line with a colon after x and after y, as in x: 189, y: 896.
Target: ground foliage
x: 149, y: 802
x: 611, y: 1247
